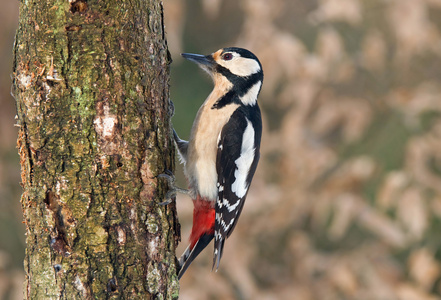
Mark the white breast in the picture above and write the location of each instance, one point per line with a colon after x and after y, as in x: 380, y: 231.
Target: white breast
x: 202, y: 149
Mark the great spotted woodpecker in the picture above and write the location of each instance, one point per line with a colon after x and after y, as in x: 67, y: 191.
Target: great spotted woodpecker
x: 222, y: 153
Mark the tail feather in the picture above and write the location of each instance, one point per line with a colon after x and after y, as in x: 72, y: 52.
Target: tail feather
x: 190, y: 253
x: 218, y: 248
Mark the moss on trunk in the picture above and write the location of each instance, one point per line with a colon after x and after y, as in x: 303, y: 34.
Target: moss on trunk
x: 91, y: 84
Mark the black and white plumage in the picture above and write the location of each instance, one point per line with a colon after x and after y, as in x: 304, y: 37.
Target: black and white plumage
x: 237, y: 157
x: 221, y: 156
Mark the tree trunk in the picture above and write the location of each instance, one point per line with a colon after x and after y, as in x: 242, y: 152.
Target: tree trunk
x: 91, y: 84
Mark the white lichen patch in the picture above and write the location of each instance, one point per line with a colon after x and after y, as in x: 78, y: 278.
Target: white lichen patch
x: 24, y: 80
x: 61, y: 186
x: 153, y: 279
x: 153, y: 246
x: 105, y: 163
x: 105, y: 124
x: 120, y: 236
x: 108, y: 125
x: 80, y: 286
x: 152, y: 225
x: 133, y: 220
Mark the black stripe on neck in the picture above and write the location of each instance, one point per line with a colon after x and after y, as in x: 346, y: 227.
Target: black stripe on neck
x: 240, y: 86
x: 228, y: 98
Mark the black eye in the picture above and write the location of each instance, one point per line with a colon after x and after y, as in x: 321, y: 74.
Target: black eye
x: 227, y: 56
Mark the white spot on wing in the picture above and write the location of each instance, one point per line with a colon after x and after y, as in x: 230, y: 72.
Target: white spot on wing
x: 227, y: 226
x: 231, y: 207
x: 243, y: 163
x: 218, y: 236
x: 250, y: 98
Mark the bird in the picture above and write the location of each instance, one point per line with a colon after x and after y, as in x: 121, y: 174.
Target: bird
x: 222, y: 153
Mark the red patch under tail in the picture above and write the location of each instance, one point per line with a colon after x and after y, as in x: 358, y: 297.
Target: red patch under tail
x: 203, y: 219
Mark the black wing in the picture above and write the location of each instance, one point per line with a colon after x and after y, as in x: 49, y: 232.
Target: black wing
x: 237, y: 157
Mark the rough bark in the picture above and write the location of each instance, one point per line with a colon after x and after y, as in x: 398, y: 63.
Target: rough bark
x: 91, y: 85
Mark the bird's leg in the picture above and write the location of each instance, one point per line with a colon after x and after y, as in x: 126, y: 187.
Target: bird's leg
x: 173, y: 189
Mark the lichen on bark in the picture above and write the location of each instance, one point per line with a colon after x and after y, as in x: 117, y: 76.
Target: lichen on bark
x: 91, y: 85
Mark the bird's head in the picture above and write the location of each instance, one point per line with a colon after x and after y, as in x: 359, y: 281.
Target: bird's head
x: 237, y: 66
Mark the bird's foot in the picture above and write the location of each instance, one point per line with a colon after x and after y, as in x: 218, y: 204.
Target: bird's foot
x: 173, y: 189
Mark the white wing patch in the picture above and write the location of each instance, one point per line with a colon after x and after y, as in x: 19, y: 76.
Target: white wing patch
x: 250, y: 98
x: 243, y: 163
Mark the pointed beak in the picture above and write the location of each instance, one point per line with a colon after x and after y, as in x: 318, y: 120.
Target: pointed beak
x: 201, y: 60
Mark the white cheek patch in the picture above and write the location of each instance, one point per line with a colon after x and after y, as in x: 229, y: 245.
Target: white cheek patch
x: 243, y: 163
x: 241, y: 66
x: 250, y: 98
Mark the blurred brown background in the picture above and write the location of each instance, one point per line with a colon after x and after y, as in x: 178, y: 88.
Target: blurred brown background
x: 11, y: 229
x: 346, y: 202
